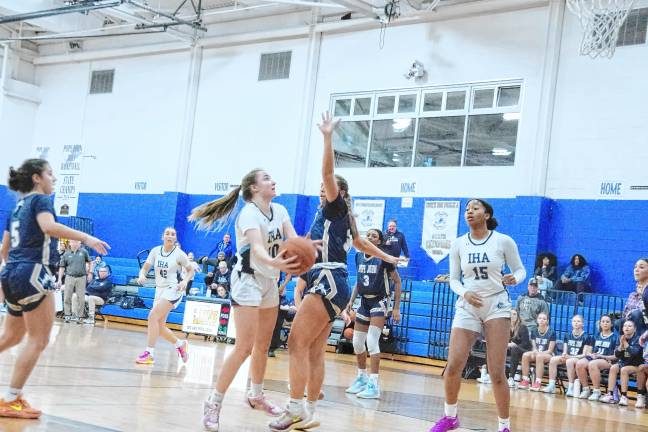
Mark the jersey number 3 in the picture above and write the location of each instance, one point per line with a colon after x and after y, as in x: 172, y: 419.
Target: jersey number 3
x: 480, y: 272
x: 365, y: 280
x: 15, y: 234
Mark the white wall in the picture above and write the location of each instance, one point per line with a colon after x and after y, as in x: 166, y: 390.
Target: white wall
x: 600, y: 128
x: 134, y: 132
x: 16, y: 126
x: 242, y: 123
x: 493, y: 47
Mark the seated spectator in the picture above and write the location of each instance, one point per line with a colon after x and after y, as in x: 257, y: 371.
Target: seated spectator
x: 543, y: 344
x: 530, y: 305
x: 634, y: 305
x: 225, y: 246
x: 223, y: 275
x: 576, y: 277
x: 642, y: 375
x: 99, y: 263
x: 600, y: 359
x: 97, y: 293
x: 576, y: 345
x: 630, y: 356
x: 545, y: 272
x: 196, y: 268
x: 221, y: 292
x: 519, y: 344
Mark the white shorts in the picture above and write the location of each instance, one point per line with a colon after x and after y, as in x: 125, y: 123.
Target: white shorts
x: 471, y: 318
x: 170, y: 293
x: 254, y: 290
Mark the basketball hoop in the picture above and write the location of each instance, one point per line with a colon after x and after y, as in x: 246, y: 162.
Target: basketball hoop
x: 601, y: 21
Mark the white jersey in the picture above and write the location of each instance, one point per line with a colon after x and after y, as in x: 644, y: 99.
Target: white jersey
x: 271, y: 229
x: 477, y: 266
x: 167, y: 266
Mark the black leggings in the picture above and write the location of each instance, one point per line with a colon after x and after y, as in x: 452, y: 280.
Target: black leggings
x: 516, y: 356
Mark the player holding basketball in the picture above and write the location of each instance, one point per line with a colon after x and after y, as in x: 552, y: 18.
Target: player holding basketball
x: 261, y: 228
x: 373, y: 287
x: 326, y: 292
x: 167, y: 260
x: 29, y: 250
x: 476, y: 262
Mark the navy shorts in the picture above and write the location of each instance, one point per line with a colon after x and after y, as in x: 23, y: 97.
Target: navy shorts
x: 372, y: 307
x: 332, y: 285
x: 25, y: 286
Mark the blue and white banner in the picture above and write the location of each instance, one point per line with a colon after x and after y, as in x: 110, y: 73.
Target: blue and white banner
x: 369, y: 214
x: 440, y: 225
x: 66, y: 198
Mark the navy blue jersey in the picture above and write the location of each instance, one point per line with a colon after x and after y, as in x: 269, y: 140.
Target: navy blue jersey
x: 632, y: 355
x: 542, y: 340
x: 373, y: 275
x: 28, y: 242
x: 333, y: 226
x: 604, y: 345
x: 574, y: 345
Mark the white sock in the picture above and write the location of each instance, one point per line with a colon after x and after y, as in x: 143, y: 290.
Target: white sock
x: 256, y: 390
x: 12, y: 394
x: 571, y: 386
x: 179, y: 343
x: 525, y: 378
x: 374, y: 378
x: 296, y: 406
x: 585, y: 388
x: 450, y: 410
x: 151, y: 350
x: 552, y: 383
x: 503, y: 423
x: 216, y: 397
x: 310, y: 406
x: 362, y: 372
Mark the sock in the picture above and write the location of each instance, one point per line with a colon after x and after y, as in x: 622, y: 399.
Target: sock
x: 216, y: 397
x: 362, y: 372
x: 450, y: 410
x: 585, y: 388
x: 571, y: 386
x: 553, y: 383
x: 538, y: 380
x: 296, y: 407
x: 503, y: 423
x: 151, y: 350
x: 611, y: 392
x: 374, y: 378
x: 12, y: 394
x: 310, y: 406
x: 179, y: 343
x: 624, y: 393
x: 256, y: 390
x: 525, y: 378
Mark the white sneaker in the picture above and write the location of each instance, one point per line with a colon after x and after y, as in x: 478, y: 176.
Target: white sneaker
x: 550, y: 388
x: 585, y: 394
x: 641, y: 401
x: 484, y: 380
x: 511, y: 382
x: 596, y: 396
x: 623, y: 401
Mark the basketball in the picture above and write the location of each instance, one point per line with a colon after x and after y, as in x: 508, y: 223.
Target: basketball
x: 302, y: 248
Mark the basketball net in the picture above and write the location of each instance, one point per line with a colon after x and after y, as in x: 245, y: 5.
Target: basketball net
x: 601, y: 21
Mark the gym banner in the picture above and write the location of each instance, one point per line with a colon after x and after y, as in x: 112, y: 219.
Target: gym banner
x: 369, y: 214
x: 440, y: 224
x: 66, y: 198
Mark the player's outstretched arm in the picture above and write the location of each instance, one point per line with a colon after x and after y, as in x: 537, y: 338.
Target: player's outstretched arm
x: 328, y: 170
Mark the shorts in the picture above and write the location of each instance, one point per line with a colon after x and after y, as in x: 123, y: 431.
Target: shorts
x: 254, y: 290
x: 25, y: 286
x: 332, y: 285
x: 171, y: 294
x: 372, y: 307
x: 471, y: 318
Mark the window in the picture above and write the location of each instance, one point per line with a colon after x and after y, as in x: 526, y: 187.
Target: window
x: 350, y: 141
x: 391, y: 143
x: 491, y: 140
x: 633, y: 30
x: 453, y: 126
x: 440, y: 140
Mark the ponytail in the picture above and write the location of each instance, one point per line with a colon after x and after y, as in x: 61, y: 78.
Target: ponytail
x: 20, y: 180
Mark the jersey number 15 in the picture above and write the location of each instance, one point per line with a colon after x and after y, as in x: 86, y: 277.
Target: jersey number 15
x: 480, y: 272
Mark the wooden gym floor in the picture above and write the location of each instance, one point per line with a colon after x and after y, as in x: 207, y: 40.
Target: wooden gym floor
x: 87, y: 380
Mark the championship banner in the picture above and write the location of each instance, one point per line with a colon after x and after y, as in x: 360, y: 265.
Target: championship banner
x: 369, y: 214
x: 440, y: 224
x: 66, y: 198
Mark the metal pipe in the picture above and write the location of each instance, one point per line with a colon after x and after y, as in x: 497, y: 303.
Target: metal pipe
x: 195, y: 25
x: 81, y: 36
x: 81, y: 7
x: 3, y: 79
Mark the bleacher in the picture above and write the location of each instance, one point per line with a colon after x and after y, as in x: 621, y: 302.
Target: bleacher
x: 427, y: 309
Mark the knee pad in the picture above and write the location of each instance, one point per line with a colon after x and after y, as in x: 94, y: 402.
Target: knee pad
x: 373, y: 340
x: 359, y: 339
